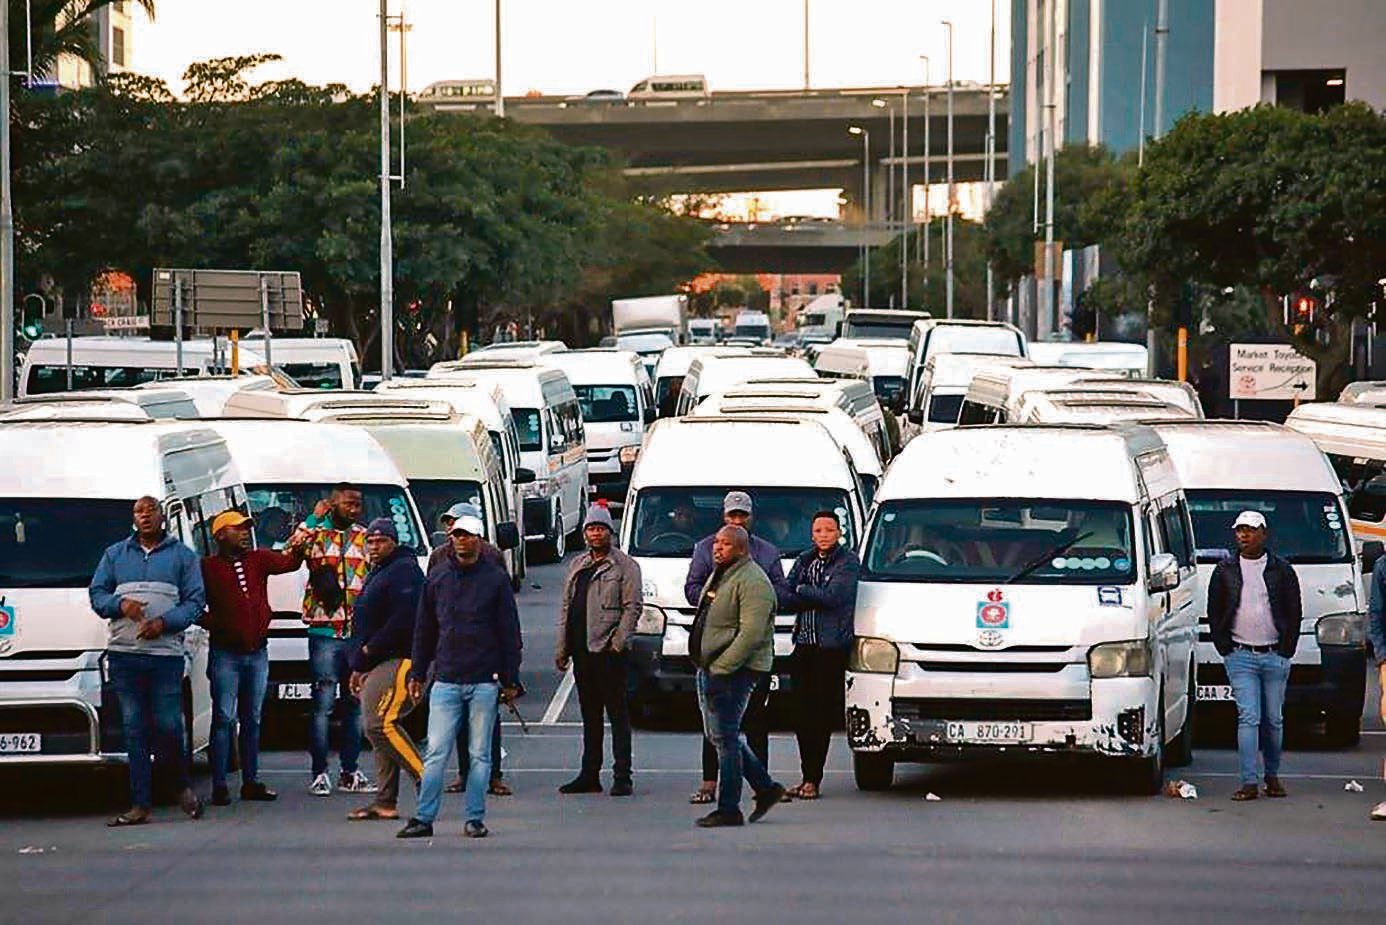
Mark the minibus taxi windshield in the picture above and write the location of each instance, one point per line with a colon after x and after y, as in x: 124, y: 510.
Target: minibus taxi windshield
x: 944, y: 409
x: 56, y: 542
x: 670, y: 521
x: 316, y: 375
x: 434, y: 496
x: 606, y: 404
x: 1000, y: 541
x: 279, y: 508
x: 1306, y: 527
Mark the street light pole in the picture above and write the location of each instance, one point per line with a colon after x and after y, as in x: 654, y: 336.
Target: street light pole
x: 1050, y: 127
x: 806, y: 44
x: 928, y: 153
x: 907, y: 213
x: 991, y: 145
x: 387, y: 257
x: 6, y: 218
x: 866, y: 211
x: 948, y: 226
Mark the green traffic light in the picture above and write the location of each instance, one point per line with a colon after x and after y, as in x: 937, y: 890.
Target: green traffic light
x: 33, y: 330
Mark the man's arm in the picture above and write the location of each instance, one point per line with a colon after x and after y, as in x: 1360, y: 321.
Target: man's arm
x: 841, y: 589
x: 508, y: 628
x: 1376, y: 612
x: 1218, y: 627
x: 425, y: 635
x: 101, y: 591
x: 279, y: 563
x: 784, y: 591
x: 698, y: 571
x: 560, y: 652
x: 632, y: 603
x: 1294, y: 609
x: 192, y: 594
x: 402, y: 600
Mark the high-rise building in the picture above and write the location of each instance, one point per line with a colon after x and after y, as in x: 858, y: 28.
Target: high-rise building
x: 112, y: 28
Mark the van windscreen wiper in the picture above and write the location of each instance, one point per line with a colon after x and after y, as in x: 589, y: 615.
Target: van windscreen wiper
x: 1036, y: 562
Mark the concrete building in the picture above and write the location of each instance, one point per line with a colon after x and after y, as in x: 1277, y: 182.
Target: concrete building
x: 113, y: 28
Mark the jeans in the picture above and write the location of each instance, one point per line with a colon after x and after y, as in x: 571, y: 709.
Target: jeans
x: 818, y: 705
x: 446, y: 703
x: 1258, y: 685
x: 150, y: 691
x: 723, y: 699
x: 755, y: 725
x: 239, y: 680
x: 601, y: 688
x: 327, y: 656
x: 463, y: 735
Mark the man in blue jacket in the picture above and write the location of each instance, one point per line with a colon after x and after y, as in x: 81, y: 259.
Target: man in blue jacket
x: 1376, y: 634
x: 824, y: 584
x: 468, y: 631
x: 148, y: 587
x: 736, y: 512
x: 382, y: 636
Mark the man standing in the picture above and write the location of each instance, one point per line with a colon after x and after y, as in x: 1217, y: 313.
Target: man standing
x: 337, y: 566
x: 148, y: 587
x: 383, y: 633
x: 468, y: 630
x: 1376, y: 632
x: 1254, y: 611
x: 601, y: 602
x: 732, y: 643
x: 238, y: 618
x: 736, y: 511
x: 824, y: 583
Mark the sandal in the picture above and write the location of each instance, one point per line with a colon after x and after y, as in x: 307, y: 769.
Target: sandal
x: 805, y: 791
x: 457, y: 785
x: 372, y: 812
x: 130, y: 817
x: 701, y: 796
x: 500, y: 788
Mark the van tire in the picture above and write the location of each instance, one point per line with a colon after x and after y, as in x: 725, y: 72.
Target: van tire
x: 1146, y: 776
x: 873, y: 771
x: 554, y: 546
x: 1342, y: 730
x: 1180, y: 751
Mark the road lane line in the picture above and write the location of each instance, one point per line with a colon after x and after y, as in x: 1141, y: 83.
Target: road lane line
x: 560, y: 699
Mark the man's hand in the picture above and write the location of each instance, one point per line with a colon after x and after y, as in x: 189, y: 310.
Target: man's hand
x: 415, y: 689
x: 151, y: 629
x: 357, y: 681
x: 561, y: 662
x: 508, y: 695
x: 132, y: 609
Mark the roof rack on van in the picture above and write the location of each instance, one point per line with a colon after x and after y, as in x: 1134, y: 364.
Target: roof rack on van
x: 752, y: 406
x: 377, y: 417
x: 767, y: 418
x: 486, y: 362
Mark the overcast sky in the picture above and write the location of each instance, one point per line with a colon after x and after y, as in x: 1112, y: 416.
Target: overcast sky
x: 572, y: 46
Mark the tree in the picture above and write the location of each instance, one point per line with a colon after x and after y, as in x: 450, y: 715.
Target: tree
x: 928, y: 285
x: 59, y: 27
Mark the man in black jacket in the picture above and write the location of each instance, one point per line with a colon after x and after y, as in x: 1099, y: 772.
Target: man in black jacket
x: 1254, y: 610
x: 382, y: 633
x: 468, y: 630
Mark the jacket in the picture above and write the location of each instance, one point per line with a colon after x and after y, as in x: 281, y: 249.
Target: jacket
x: 489, y: 552
x: 383, y: 624
x: 239, y: 620
x: 468, y: 628
x: 835, y: 602
x: 1376, y: 611
x: 738, y: 627
x: 614, y: 602
x: 344, y: 552
x: 168, y: 578
x: 762, y: 551
x: 1225, y: 593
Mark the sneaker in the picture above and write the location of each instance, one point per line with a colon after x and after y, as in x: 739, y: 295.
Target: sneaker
x: 1379, y: 812
x: 622, y: 788
x: 191, y: 804
x: 581, y: 785
x: 416, y: 829
x: 221, y: 796
x: 355, y: 782
x: 256, y: 792
x: 767, y: 801
x: 718, y: 819
x: 475, y: 829
x: 321, y: 786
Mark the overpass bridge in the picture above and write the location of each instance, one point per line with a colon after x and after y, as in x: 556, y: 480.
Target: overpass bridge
x: 812, y: 246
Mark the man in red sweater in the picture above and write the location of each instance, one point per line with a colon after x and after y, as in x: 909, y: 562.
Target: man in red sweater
x: 238, y: 618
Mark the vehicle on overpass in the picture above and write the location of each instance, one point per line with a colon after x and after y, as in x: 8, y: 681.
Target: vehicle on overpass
x: 670, y: 87
x: 457, y: 94
x: 879, y: 322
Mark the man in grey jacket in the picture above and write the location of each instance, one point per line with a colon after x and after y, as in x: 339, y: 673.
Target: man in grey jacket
x: 600, y: 604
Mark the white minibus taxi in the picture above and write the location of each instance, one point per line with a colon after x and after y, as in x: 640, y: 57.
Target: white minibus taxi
x: 1096, y: 408
x: 1292, y: 484
x: 932, y: 336
x: 882, y: 363
x: 938, y: 392
x: 791, y: 468
x: 1130, y: 360
x: 1181, y: 394
x: 209, y: 393
x: 996, y: 395
x: 157, y: 404
x: 553, y: 445
x: 851, y: 395
x: 617, y: 401
x: 1368, y: 392
x: 56, y: 520
x: 312, y: 362
x: 118, y: 362
x: 1014, y: 603
x: 289, y: 466
x: 673, y: 367
x: 1353, y: 437
x: 720, y: 371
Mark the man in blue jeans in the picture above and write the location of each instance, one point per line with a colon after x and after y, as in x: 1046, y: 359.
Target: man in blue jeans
x: 148, y: 588
x: 468, y: 632
x: 1254, y: 610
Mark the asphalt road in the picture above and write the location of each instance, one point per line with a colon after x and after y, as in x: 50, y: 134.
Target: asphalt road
x: 1033, y: 842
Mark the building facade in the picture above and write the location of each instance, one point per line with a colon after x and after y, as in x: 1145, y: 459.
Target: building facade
x: 113, y: 28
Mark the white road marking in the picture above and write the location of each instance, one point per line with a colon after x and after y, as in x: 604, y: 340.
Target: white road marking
x: 560, y: 699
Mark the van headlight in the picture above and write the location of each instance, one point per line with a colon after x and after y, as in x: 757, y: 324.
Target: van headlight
x: 871, y: 655
x: 651, y: 621
x: 629, y: 454
x: 1120, y: 660
x: 1340, y: 629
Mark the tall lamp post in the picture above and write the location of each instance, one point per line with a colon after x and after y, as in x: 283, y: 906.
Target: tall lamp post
x: 948, y: 224
x: 6, y: 218
x: 928, y: 153
x: 387, y: 257
x: 500, y: 96
x: 866, y: 211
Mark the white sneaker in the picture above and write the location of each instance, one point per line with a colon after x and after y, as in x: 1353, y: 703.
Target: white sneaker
x: 321, y: 786
x: 1379, y: 812
x: 355, y: 782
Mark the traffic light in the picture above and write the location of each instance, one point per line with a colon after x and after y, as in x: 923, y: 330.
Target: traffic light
x: 1304, y: 311
x: 32, y: 330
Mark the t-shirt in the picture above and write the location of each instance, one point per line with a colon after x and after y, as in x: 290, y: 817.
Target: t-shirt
x: 1253, y: 624
x: 577, y: 612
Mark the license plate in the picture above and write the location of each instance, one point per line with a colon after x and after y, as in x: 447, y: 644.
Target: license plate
x: 295, y: 692
x: 1215, y: 692
x: 989, y: 732
x: 20, y: 743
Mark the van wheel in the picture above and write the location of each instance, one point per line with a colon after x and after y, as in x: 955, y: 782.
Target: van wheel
x: 1342, y: 730
x: 554, y: 546
x: 1181, y: 750
x: 1145, y: 776
x: 873, y: 771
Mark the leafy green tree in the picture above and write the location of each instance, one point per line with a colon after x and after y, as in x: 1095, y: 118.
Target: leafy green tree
x: 927, y: 288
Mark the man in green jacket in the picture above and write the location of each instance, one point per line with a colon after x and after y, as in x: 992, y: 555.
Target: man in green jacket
x: 733, y: 644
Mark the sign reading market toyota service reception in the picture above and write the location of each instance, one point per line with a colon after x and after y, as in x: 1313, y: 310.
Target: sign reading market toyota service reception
x: 1270, y: 372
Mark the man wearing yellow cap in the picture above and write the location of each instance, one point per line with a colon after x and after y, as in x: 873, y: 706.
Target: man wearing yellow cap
x: 238, y: 618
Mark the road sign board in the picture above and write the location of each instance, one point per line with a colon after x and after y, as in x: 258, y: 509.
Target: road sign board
x: 221, y: 299
x: 1270, y: 372
x: 125, y: 322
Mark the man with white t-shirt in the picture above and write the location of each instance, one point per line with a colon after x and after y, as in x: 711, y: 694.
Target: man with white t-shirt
x: 1254, y: 610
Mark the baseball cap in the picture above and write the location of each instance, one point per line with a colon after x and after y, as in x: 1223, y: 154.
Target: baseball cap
x: 1250, y: 519
x: 598, y: 515
x: 229, y: 519
x: 382, y: 526
x: 461, y: 509
x: 468, y: 522
x: 736, y: 501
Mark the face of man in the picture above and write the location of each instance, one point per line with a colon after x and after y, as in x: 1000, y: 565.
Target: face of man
x: 598, y: 538
x: 740, y: 519
x: 826, y: 534
x: 728, y: 546
x: 378, y: 548
x: 346, y: 507
x: 1251, y: 541
x: 149, y: 519
x: 467, y: 546
x: 234, y: 540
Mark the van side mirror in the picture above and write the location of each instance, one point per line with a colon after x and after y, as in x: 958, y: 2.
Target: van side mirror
x: 916, y: 416
x: 1372, y: 551
x: 523, y: 476
x: 837, y: 330
x: 437, y: 538
x: 649, y: 416
x: 507, y: 535
x: 1164, y: 572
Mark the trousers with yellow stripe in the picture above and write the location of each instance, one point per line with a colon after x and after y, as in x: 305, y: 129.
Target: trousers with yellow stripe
x: 385, y: 703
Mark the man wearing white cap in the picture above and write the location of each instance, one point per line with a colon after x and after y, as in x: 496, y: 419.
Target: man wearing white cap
x: 1254, y: 610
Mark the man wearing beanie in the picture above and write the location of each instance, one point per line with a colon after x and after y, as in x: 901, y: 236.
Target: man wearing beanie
x: 600, y: 604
